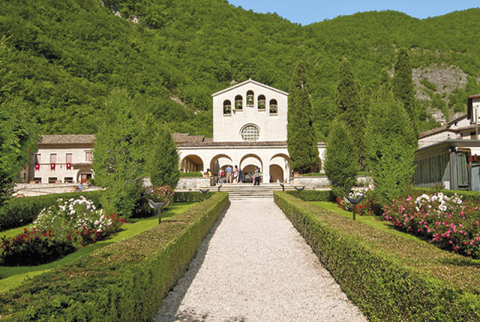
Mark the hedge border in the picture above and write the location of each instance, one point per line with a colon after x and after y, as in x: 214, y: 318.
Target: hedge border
x: 313, y: 195
x: 389, y: 277
x: 17, y: 212
x: 126, y: 281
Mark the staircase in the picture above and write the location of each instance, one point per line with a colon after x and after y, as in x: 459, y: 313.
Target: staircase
x: 243, y: 191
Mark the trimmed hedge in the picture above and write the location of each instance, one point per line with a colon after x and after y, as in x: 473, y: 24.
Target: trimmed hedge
x: 126, y: 281
x: 389, y: 277
x: 313, y: 195
x: 17, y: 212
x: 191, y: 196
x: 190, y: 174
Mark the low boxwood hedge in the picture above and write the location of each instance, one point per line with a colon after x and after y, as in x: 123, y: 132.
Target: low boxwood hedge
x: 191, y: 174
x: 190, y: 196
x: 17, y: 212
x: 313, y: 195
x: 389, y: 277
x: 126, y: 281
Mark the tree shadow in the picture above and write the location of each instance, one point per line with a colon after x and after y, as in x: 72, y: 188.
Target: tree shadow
x: 171, y: 303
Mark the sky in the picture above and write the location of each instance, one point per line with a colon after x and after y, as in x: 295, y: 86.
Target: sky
x: 306, y: 12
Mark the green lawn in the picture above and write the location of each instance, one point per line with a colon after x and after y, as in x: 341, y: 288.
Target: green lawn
x: 11, y: 277
x: 374, y: 221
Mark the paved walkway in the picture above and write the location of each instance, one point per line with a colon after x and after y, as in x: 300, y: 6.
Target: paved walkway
x: 255, y: 266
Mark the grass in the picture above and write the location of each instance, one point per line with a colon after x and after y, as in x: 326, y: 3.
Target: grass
x: 11, y: 277
x: 373, y: 221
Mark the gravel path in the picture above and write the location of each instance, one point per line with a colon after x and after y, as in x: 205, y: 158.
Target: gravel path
x: 255, y: 266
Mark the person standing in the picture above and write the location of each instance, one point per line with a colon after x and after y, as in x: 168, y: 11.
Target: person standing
x: 229, y: 174
x: 240, y: 173
x: 257, y: 176
x: 235, y: 174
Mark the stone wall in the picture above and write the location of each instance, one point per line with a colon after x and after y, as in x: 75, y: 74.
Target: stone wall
x: 40, y: 189
x: 321, y: 181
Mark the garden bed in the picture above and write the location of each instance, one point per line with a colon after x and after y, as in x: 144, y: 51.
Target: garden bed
x: 389, y: 277
x: 122, y: 282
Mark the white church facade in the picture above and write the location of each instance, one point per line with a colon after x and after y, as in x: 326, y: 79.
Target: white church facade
x: 249, y: 130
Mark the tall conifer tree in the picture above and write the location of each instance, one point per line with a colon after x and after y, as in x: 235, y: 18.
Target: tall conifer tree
x: 162, y: 165
x: 391, y: 146
x: 340, y: 160
x: 403, y: 88
x: 301, y: 137
x: 116, y: 159
x: 350, y: 106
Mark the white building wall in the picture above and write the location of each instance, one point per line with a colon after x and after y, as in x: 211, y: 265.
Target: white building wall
x: 79, y: 163
x: 227, y: 128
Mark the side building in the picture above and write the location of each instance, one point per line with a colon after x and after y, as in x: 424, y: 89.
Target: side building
x: 450, y: 155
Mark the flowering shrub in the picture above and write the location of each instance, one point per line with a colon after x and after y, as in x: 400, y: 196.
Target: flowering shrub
x: 77, y: 220
x: 447, y: 222
x: 59, y: 230
x: 34, y: 248
x: 365, y: 207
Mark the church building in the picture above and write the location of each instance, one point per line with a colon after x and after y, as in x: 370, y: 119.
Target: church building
x: 249, y: 130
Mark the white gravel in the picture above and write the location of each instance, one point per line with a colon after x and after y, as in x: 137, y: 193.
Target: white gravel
x: 255, y: 266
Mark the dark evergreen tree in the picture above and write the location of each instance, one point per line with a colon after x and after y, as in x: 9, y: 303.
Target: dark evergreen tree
x: 390, y: 147
x: 163, y: 163
x: 350, y: 106
x: 403, y: 87
x: 117, y: 159
x: 340, y: 160
x: 301, y: 136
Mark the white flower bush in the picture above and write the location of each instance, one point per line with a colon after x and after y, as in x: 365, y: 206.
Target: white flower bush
x: 76, y: 218
x: 439, y: 203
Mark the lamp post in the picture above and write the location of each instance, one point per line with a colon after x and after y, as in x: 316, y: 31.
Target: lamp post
x: 354, y: 202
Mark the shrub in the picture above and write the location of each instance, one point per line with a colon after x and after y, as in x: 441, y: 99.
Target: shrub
x: 365, y: 207
x: 34, y: 248
x: 190, y: 174
x: 78, y: 221
x: 444, y: 221
x: 22, y: 211
x: 389, y: 277
x: 126, y: 281
x: 313, y: 195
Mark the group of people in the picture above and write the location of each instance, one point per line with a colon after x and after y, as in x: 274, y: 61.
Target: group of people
x: 235, y: 175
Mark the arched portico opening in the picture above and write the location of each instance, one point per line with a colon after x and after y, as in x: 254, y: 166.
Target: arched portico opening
x: 280, y: 168
x: 248, y: 164
x: 191, y: 163
x: 220, y: 161
x: 276, y: 173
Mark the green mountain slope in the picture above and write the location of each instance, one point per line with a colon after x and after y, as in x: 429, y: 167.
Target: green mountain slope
x: 64, y: 58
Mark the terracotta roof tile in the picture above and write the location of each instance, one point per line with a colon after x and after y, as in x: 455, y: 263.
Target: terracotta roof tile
x: 68, y: 139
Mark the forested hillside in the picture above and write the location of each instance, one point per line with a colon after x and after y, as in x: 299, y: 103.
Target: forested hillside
x: 62, y: 59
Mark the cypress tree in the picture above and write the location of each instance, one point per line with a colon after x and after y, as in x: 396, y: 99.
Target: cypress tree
x: 301, y: 135
x: 162, y: 165
x: 117, y: 159
x: 340, y: 160
x: 350, y: 106
x: 403, y: 88
x: 390, y: 147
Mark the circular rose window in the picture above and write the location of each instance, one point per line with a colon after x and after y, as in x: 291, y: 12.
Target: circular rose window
x: 250, y: 133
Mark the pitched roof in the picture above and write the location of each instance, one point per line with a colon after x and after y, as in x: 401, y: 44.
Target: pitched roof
x: 181, y: 138
x: 68, y: 139
x: 249, y: 81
